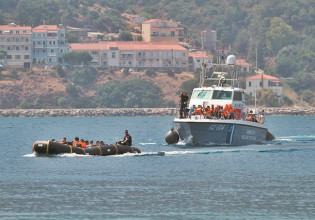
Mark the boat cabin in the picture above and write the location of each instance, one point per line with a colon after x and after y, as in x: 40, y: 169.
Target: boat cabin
x: 216, y: 95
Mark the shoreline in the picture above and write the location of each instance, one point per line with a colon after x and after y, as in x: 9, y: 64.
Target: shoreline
x: 101, y: 112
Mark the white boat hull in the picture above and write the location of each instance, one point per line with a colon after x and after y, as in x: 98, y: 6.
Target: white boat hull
x: 221, y: 132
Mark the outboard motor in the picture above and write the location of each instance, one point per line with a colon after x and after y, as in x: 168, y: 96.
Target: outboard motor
x: 172, y: 137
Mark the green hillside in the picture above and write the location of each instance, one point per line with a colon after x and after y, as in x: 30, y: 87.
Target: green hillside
x: 283, y: 32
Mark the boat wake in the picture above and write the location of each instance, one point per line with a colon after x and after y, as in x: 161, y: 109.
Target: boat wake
x: 304, y: 139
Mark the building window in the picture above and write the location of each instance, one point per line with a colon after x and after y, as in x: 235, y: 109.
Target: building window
x: 26, y: 57
x: 113, y: 55
x: 250, y: 84
x: 260, y: 84
x: 172, y: 33
x: 9, y: 57
x: 52, y: 51
x: 17, y: 57
x: 26, y: 48
x: 17, y: 48
x: 8, y: 40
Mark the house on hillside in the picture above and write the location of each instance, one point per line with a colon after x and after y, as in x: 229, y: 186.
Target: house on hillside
x: 15, y: 46
x: 245, y: 67
x: 196, y: 59
x: 138, y: 55
x: 49, y: 43
x: 260, y: 81
x: 157, y: 30
x: 209, y: 39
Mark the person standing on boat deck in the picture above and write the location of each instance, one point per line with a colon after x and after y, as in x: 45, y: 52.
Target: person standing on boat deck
x: 183, y: 104
x: 127, y: 139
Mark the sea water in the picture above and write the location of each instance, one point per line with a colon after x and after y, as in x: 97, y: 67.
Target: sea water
x: 275, y: 180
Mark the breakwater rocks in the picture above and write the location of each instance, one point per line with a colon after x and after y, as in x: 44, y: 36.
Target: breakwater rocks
x: 95, y: 112
x: 289, y: 111
x: 99, y: 112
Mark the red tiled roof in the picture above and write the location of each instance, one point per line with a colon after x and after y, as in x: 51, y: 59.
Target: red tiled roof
x: 85, y: 46
x: 128, y: 45
x: 242, y: 63
x: 264, y: 76
x: 154, y: 20
x: 44, y: 28
x: 199, y: 54
x: 17, y: 27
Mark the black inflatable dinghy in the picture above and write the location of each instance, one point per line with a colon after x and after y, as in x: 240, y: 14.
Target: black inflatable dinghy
x: 51, y: 147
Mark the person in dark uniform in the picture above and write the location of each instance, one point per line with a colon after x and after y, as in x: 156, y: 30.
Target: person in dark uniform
x: 183, y: 104
x: 127, y: 139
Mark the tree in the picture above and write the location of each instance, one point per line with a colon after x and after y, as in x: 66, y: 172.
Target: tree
x: 287, y: 62
x: 71, y: 37
x: 279, y: 35
x: 267, y: 98
x: 133, y: 93
x: 125, y: 36
x: 77, y: 58
x: 83, y: 77
x: 34, y: 12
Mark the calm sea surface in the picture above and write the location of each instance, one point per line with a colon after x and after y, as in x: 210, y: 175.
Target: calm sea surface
x: 269, y: 181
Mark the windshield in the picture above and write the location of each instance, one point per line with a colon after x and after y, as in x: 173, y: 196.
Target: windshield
x: 201, y: 94
x: 222, y: 95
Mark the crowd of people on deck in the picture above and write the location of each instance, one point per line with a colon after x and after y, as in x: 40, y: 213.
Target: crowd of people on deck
x: 216, y: 112
x: 127, y: 140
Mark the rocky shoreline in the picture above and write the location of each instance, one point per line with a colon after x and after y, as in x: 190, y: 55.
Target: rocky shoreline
x: 101, y: 112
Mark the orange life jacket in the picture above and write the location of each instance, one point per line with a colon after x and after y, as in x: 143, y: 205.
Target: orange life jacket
x: 83, y: 144
x: 75, y: 143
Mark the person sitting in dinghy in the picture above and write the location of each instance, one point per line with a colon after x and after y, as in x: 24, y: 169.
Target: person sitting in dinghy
x: 127, y: 139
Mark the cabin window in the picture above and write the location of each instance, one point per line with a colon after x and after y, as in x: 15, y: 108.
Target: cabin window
x: 223, y: 95
x: 201, y: 94
x: 237, y: 96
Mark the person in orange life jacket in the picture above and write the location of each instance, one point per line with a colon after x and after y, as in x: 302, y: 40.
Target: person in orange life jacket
x: 75, y: 143
x: 63, y: 140
x: 82, y: 143
x: 127, y: 139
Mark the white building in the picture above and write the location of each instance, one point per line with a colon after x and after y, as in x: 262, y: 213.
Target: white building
x: 138, y: 55
x: 260, y: 81
x: 15, y: 46
x: 197, y: 58
x: 49, y: 43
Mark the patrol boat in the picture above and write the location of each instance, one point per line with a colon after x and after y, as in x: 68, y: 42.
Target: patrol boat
x: 218, y: 115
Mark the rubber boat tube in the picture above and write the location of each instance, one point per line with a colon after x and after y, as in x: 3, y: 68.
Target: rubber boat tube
x: 51, y: 147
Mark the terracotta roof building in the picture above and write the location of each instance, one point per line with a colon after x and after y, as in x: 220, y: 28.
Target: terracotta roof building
x: 260, y: 81
x: 15, y: 46
x: 138, y: 55
x: 49, y: 43
x: 157, y: 30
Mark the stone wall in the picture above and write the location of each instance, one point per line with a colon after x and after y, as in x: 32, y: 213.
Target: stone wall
x: 100, y: 112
